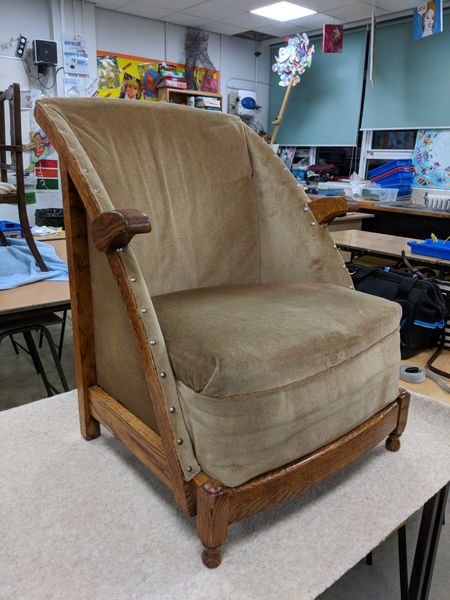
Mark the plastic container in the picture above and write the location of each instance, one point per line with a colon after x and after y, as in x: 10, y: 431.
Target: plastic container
x: 439, y: 249
x: 375, y: 192
x: 9, y: 227
x: 391, y: 166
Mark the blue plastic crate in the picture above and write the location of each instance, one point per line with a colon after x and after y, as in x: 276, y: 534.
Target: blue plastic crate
x: 439, y: 249
x: 392, y: 164
x: 10, y: 226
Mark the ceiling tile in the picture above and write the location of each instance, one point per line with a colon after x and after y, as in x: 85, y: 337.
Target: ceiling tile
x: 246, y: 5
x: 324, y: 6
x: 213, y: 11
x: 356, y: 12
x: 181, y: 18
x: 225, y: 28
x: 111, y: 4
x: 316, y: 22
x: 250, y: 21
x: 144, y: 10
x: 398, y: 5
x: 172, y: 5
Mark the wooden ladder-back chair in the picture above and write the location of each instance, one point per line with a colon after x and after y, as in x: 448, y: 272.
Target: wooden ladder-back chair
x: 219, y: 337
x: 12, y: 97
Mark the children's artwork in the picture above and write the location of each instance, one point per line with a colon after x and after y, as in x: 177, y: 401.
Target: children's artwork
x: 431, y: 160
x: 131, y: 87
x: 75, y: 53
x: 133, y: 77
x: 287, y: 153
x: 428, y: 19
x: 333, y: 38
x: 39, y: 147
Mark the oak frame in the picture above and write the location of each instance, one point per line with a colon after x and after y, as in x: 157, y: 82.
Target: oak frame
x: 214, y: 505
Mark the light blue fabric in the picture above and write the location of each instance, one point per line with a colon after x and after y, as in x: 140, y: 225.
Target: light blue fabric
x: 18, y: 267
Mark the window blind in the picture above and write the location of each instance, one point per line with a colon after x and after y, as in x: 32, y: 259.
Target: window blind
x: 324, y: 108
x: 412, y: 79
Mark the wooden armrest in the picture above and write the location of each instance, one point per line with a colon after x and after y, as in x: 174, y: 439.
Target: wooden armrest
x: 115, y: 229
x: 327, y: 208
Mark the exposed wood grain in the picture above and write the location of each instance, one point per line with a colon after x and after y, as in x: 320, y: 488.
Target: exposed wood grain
x: 327, y: 208
x: 274, y: 487
x: 393, y: 441
x: 81, y: 302
x: 142, y: 441
x: 115, y: 229
x: 213, y: 508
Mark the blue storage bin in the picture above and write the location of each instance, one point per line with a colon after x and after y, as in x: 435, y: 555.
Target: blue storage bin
x: 10, y: 227
x: 429, y: 248
x: 392, y: 164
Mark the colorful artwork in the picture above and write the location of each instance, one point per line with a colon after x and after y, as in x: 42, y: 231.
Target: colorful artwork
x: 431, y: 158
x: 333, y: 39
x: 293, y: 59
x: 287, y: 154
x: 428, y: 19
x: 47, y: 173
x: 135, y: 78
x: 39, y: 147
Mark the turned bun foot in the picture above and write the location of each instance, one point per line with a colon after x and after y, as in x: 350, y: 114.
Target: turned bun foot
x: 393, y: 443
x: 212, y: 557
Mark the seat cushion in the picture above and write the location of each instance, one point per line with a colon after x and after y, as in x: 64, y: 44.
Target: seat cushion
x: 268, y: 373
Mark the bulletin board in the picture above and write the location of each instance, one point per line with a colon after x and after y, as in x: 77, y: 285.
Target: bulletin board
x: 135, y: 77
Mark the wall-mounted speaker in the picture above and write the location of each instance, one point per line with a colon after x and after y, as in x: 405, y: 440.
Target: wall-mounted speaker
x: 45, y: 52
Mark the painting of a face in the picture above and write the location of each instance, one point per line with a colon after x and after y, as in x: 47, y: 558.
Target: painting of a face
x: 428, y: 19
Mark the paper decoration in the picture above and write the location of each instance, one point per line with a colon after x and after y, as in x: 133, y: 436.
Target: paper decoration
x: 46, y: 172
x: 428, y: 19
x: 118, y: 74
x: 39, y: 146
x: 75, y: 54
x: 333, y: 38
x: 431, y: 160
x: 291, y: 62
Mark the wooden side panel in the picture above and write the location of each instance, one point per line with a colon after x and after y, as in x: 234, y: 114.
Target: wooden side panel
x: 142, y: 441
x: 81, y: 301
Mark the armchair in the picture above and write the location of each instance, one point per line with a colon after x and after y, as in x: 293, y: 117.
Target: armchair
x: 219, y: 337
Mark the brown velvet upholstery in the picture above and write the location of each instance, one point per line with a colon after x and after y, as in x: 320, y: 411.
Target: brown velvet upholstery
x: 267, y: 352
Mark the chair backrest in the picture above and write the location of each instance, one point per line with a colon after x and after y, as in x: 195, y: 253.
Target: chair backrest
x: 189, y: 170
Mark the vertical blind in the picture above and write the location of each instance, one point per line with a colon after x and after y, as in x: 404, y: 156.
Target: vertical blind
x: 324, y: 108
x: 412, y: 79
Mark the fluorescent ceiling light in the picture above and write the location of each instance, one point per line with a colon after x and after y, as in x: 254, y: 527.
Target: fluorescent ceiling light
x: 283, y: 11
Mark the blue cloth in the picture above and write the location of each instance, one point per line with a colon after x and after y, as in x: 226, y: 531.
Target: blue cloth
x: 18, y: 267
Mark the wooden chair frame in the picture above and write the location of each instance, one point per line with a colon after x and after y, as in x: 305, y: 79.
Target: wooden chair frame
x: 215, y: 505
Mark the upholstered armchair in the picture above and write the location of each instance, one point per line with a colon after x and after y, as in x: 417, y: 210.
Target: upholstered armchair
x: 219, y: 337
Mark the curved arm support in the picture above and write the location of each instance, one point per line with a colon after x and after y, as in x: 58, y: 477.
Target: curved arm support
x: 114, y: 229
x: 327, y: 208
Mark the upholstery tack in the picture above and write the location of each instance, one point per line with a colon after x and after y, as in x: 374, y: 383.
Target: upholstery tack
x: 163, y: 374
x: 179, y: 441
x: 132, y: 279
x: 143, y: 310
x: 152, y: 342
x: 172, y: 409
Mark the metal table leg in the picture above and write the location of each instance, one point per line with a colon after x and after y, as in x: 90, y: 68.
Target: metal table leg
x: 427, y: 545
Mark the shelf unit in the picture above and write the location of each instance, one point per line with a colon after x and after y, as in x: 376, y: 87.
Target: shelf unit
x: 180, y: 96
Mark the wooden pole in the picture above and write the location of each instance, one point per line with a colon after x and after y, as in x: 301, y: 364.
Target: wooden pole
x: 279, y: 118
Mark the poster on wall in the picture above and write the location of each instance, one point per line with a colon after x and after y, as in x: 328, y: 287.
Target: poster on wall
x: 75, y: 54
x: 136, y: 78
x: 431, y: 160
x: 428, y: 19
x: 333, y: 38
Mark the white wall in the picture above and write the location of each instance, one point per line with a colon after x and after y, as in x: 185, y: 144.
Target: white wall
x: 126, y: 34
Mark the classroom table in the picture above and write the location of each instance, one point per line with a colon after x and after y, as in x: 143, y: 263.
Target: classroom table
x: 381, y: 245
x: 32, y: 307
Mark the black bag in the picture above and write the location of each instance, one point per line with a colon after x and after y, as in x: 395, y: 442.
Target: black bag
x: 424, y: 308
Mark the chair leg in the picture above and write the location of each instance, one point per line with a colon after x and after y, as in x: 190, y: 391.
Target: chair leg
x: 213, y: 507
x: 14, y: 345
x: 51, y: 344
x: 61, y: 334
x: 37, y: 360
x: 393, y: 441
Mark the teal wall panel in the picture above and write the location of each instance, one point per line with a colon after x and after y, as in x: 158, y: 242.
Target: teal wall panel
x: 412, y: 79
x: 324, y: 108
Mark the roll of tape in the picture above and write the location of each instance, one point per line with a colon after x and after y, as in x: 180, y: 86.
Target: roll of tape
x: 412, y: 374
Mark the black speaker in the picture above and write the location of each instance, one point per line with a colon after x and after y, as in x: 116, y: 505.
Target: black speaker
x: 45, y: 52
